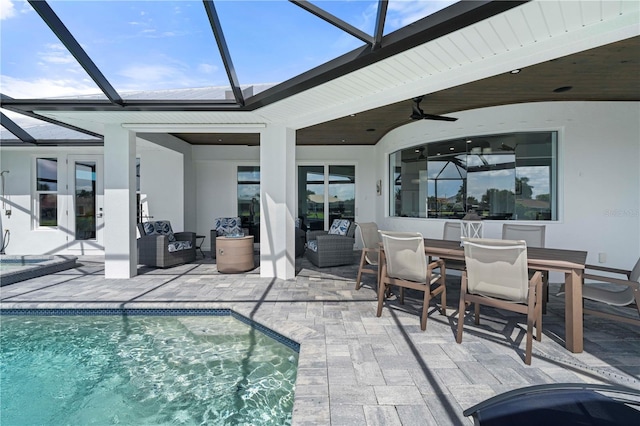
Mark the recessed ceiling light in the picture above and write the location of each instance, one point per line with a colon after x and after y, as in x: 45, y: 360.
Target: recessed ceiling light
x: 516, y: 71
x: 562, y: 89
x: 352, y: 115
x: 468, y: 140
x: 452, y: 149
x: 219, y: 140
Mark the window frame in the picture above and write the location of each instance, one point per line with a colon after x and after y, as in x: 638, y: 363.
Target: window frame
x: 464, y: 150
x: 37, y: 192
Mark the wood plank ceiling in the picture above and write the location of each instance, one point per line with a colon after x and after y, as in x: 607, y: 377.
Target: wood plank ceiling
x: 607, y: 73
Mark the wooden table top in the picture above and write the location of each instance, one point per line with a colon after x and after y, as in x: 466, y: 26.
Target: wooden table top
x: 551, y: 259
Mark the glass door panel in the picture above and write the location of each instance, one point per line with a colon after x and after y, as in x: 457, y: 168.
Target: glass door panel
x: 85, y: 214
x: 325, y: 193
x: 85, y: 200
x: 311, y: 196
x: 342, y: 193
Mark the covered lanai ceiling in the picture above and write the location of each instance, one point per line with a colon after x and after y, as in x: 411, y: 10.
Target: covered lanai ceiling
x: 458, y: 58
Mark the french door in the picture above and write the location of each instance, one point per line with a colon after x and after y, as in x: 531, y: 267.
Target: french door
x: 85, y: 215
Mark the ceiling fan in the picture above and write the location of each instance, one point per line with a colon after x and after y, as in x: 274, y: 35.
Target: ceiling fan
x: 418, y: 114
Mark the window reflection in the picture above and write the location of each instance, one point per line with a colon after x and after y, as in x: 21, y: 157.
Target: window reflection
x: 318, y: 201
x: 502, y: 177
x: 342, y: 190
x: 85, y: 200
x: 249, y: 199
x: 47, y: 191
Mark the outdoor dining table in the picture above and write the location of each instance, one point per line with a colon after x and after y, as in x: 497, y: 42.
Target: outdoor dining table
x: 571, y: 262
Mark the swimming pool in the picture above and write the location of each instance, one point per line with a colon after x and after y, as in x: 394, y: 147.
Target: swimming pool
x: 144, y: 368
x: 15, y: 268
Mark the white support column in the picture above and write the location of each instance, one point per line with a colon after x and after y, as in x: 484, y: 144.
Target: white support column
x: 121, y: 257
x: 277, y: 202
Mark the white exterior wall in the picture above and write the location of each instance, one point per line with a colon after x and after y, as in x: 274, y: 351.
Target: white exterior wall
x: 216, y: 178
x: 161, y: 185
x: 25, y: 238
x: 164, y: 195
x: 599, y: 177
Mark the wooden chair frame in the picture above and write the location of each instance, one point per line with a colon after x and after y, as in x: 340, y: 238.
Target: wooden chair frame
x: 433, y: 285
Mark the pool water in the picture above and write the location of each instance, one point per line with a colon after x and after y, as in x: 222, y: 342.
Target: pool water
x: 142, y: 370
x: 16, y: 268
x: 12, y: 265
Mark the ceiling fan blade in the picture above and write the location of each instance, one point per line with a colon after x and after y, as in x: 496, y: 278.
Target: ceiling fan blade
x: 438, y: 117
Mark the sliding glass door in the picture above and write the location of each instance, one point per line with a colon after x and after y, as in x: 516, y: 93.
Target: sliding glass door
x: 326, y: 193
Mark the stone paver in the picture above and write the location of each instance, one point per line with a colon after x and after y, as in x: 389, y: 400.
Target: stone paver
x: 356, y: 368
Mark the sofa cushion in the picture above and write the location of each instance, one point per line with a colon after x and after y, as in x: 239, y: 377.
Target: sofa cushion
x: 339, y: 227
x: 159, y: 227
x: 227, y: 226
x: 313, y: 245
x: 179, y: 245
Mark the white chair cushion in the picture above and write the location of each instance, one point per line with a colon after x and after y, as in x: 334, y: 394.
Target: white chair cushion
x: 179, y: 245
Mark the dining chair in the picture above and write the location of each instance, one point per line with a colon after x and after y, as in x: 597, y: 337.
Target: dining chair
x: 404, y: 264
x: 497, y: 276
x: 471, y: 229
x: 370, y: 241
x: 534, y: 235
x: 613, y: 291
x: 452, y: 232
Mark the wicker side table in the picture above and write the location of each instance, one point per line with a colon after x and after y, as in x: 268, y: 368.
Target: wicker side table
x: 234, y: 254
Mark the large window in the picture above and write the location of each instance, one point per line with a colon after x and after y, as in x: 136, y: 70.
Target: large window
x: 249, y: 199
x: 46, y: 191
x: 504, y: 177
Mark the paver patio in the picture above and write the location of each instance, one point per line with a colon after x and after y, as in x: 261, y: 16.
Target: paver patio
x: 355, y: 368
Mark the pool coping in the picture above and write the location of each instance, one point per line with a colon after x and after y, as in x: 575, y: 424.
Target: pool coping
x: 170, y: 312
x: 48, y: 265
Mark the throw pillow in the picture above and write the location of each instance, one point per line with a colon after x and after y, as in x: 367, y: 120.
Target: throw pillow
x: 339, y: 227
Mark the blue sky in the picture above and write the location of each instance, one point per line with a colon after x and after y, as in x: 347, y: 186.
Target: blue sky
x: 158, y: 45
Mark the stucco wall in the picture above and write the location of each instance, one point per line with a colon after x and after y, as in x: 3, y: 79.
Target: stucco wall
x: 163, y: 192
x: 599, y: 177
x: 216, y: 177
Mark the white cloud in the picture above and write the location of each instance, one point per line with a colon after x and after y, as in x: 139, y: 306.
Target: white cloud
x: 56, y: 54
x: 7, y: 9
x: 207, y: 68
x: 149, y: 73
x: 46, y: 87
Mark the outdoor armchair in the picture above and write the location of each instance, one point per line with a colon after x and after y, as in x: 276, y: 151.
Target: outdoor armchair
x: 333, y: 247
x: 405, y: 265
x: 497, y: 276
x: 160, y: 247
